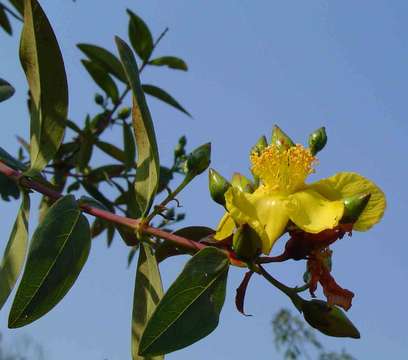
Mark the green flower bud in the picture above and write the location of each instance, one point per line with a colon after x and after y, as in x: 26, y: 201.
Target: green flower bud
x: 261, y: 144
x: 199, y: 160
x: 353, y: 208
x: 317, y: 140
x: 218, y: 186
x: 241, y: 182
x: 179, y: 149
x: 280, y: 139
x: 99, y: 99
x: 124, y: 113
x: 330, y: 320
x: 246, y: 243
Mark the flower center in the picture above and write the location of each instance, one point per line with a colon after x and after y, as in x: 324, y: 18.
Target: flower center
x: 283, y: 171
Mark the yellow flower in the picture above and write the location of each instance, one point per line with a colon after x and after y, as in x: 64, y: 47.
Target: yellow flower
x: 283, y: 196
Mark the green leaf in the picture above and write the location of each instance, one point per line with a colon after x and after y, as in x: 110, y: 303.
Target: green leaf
x: 105, y: 59
x: 163, y: 96
x: 6, y: 90
x: 95, y: 193
x: 171, y: 61
x: 44, y: 68
x: 4, y: 21
x: 14, y: 255
x: 190, y: 308
x: 11, y: 161
x: 8, y: 188
x: 104, y: 172
x: 111, y: 150
x: 19, y: 5
x: 58, y: 251
x: 87, y: 200
x: 167, y: 249
x: 148, y: 164
x: 102, y: 79
x: 129, y: 146
x: 148, y: 292
x: 140, y: 36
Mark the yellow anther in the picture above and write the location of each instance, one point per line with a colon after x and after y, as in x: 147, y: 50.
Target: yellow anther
x: 283, y: 171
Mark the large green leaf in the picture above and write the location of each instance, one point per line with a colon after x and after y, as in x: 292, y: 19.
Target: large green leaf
x: 191, y: 307
x: 102, y: 79
x: 105, y: 59
x: 15, y: 252
x: 58, y: 251
x: 171, y: 61
x: 148, y: 293
x: 163, y: 96
x: 140, y: 36
x: 4, y: 21
x: 148, y: 165
x: 6, y: 90
x: 44, y: 68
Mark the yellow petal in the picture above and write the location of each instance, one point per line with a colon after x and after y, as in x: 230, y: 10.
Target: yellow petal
x: 312, y: 212
x: 346, y: 184
x: 264, y: 213
x: 225, y: 227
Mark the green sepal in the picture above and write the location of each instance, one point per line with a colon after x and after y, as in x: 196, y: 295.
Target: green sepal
x: 354, y: 207
x: 246, y: 243
x: 218, y: 186
x: 242, y: 183
x: 260, y: 145
x: 280, y: 139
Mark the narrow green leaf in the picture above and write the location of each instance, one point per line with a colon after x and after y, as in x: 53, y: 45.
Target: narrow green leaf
x: 57, y: 253
x: 102, y: 79
x: 19, y: 5
x: 111, y: 150
x: 95, y: 193
x: 148, y: 165
x: 170, y: 61
x: 44, y: 68
x: 11, y: 161
x: 129, y: 146
x: 163, y: 96
x: 6, y: 90
x: 4, y: 21
x: 148, y: 292
x: 105, y: 59
x: 87, y: 200
x: 140, y: 36
x: 14, y: 255
x: 190, y: 308
x: 104, y: 172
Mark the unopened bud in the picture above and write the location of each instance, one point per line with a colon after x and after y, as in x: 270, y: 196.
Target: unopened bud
x: 317, y: 140
x: 99, y: 99
x: 218, y: 186
x: 179, y: 149
x: 280, y: 139
x: 246, y: 242
x: 330, y: 320
x: 353, y: 207
x: 261, y: 144
x: 124, y: 113
x: 242, y: 183
x: 199, y: 160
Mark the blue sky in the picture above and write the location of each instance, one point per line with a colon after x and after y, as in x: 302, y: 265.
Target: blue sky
x: 252, y: 64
